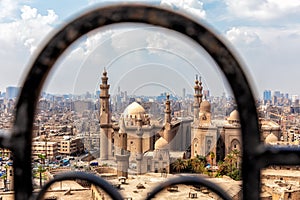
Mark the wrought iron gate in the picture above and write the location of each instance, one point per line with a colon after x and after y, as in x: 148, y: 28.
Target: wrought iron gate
x: 255, y: 154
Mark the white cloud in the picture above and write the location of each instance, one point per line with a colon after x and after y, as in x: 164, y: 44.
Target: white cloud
x: 7, y: 9
x: 263, y: 9
x: 28, y: 30
x: 243, y: 37
x: 157, y: 40
x: 22, y: 31
x: 194, y: 7
x: 271, y: 54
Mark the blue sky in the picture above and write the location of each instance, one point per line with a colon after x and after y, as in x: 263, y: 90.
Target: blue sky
x: 265, y: 33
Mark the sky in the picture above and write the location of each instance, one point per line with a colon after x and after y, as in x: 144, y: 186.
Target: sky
x: 143, y: 59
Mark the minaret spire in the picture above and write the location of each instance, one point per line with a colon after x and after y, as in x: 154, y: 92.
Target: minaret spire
x: 105, y: 121
x: 168, y: 110
x: 200, y: 95
x: 196, y: 104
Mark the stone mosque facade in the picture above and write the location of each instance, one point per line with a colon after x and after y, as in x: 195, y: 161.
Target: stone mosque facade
x: 145, y: 145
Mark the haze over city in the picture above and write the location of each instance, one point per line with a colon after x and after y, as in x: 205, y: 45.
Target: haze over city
x: 266, y: 36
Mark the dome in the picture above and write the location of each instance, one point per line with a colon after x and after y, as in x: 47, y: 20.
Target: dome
x: 234, y: 116
x: 161, y: 143
x: 205, y: 106
x: 271, y: 138
x: 135, y: 109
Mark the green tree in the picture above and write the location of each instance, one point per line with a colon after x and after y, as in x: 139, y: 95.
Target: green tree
x: 230, y: 167
x: 236, y: 155
x: 41, y: 170
x: 179, y: 165
x: 197, y: 165
x: 43, y: 158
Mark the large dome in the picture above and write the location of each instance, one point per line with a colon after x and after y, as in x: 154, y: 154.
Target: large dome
x: 161, y: 143
x: 134, y: 110
x: 271, y: 138
x: 234, y: 116
x: 205, y: 106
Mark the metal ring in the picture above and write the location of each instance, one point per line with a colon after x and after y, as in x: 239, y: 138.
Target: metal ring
x: 189, y: 180
x: 103, y: 184
x: 99, y: 17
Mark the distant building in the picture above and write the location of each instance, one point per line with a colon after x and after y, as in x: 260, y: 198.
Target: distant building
x: 12, y: 92
x: 267, y: 96
x: 82, y: 105
x: 50, y: 149
x: 70, y: 146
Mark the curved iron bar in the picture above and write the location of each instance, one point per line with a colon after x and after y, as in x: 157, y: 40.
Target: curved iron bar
x: 21, y: 137
x: 189, y: 180
x: 103, y: 184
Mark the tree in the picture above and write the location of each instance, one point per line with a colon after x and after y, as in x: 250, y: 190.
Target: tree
x: 228, y: 159
x: 179, y: 165
x: 236, y: 155
x: 229, y: 166
x: 41, y: 170
x: 197, y: 165
x: 42, y: 157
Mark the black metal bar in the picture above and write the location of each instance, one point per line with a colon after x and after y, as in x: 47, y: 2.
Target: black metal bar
x: 279, y: 155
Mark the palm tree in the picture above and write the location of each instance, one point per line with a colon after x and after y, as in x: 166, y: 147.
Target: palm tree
x: 40, y: 171
x: 42, y: 157
x: 202, y: 159
x: 197, y: 165
x: 236, y: 155
x: 41, y: 168
x: 179, y: 165
x: 228, y: 159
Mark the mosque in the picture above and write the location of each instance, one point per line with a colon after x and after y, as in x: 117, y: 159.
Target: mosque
x: 151, y: 146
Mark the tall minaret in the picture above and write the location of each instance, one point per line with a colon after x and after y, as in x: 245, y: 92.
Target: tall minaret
x: 122, y: 155
x: 139, y: 156
x: 196, y: 104
x: 105, y: 123
x: 200, y: 95
x: 168, y: 110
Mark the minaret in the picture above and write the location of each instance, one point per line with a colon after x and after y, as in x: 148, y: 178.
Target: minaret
x: 168, y: 110
x: 139, y: 156
x: 168, y: 135
x: 196, y: 104
x: 122, y: 155
x: 105, y: 123
x: 200, y: 95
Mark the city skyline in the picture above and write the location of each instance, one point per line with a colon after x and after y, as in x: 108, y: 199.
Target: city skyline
x: 266, y: 37
x: 11, y: 92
